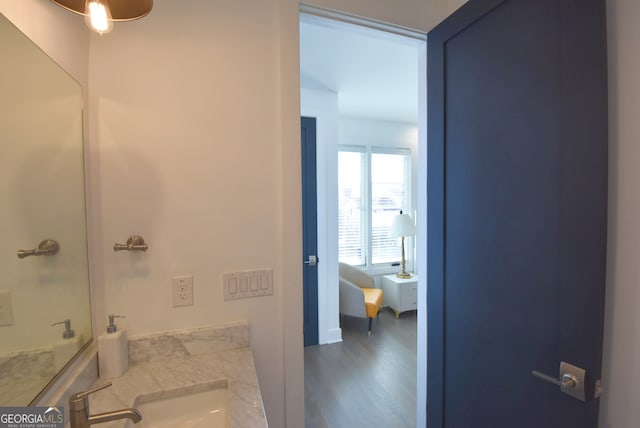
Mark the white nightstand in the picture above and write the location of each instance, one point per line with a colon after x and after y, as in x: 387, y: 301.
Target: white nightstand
x: 400, y: 294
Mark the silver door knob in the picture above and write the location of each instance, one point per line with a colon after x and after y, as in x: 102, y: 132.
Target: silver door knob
x: 313, y: 261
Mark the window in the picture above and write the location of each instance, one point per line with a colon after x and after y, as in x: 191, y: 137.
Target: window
x: 373, y: 186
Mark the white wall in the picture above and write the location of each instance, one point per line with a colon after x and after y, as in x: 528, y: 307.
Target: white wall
x: 621, y: 374
x: 187, y: 152
x: 59, y: 33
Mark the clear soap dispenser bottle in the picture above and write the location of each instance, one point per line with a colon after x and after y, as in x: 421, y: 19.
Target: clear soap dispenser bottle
x: 113, y: 351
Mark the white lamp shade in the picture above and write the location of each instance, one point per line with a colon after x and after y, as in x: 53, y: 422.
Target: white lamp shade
x: 402, y: 226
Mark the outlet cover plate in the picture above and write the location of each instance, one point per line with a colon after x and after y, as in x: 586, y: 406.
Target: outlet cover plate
x: 182, y: 290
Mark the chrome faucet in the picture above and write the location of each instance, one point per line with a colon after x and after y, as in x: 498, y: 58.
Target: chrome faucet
x: 79, y: 416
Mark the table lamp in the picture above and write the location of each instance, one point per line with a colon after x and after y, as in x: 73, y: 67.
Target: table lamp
x: 402, y: 226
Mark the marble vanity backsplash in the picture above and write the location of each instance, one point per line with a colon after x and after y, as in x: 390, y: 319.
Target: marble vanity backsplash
x: 182, y: 344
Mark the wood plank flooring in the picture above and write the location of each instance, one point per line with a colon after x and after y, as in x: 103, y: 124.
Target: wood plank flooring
x: 364, y: 381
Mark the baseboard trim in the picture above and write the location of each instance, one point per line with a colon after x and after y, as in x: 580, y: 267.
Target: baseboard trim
x: 332, y: 336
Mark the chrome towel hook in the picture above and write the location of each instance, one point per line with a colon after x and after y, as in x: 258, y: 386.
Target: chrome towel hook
x: 134, y: 243
x: 48, y: 247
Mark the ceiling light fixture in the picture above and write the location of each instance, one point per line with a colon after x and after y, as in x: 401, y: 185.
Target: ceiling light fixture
x: 100, y: 14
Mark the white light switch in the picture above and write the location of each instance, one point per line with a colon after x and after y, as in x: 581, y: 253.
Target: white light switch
x: 233, y: 285
x: 6, y: 309
x: 248, y: 283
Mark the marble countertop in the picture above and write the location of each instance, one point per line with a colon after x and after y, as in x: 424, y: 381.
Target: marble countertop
x: 182, y: 359
x: 20, y: 381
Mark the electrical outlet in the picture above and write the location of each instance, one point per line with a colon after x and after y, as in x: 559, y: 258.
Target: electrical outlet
x: 182, y: 289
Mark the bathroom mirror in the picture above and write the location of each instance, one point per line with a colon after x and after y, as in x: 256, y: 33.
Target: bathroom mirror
x: 42, y: 198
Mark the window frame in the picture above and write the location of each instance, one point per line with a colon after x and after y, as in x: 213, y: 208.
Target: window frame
x: 367, y: 204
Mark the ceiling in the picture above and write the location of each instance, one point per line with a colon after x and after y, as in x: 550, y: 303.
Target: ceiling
x: 374, y: 73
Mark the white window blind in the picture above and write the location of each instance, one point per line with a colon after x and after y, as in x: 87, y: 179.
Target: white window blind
x: 351, y: 247
x: 389, y: 194
x: 373, y: 187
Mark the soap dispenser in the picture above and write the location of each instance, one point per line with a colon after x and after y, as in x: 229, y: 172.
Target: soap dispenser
x: 113, y: 351
x: 66, y: 347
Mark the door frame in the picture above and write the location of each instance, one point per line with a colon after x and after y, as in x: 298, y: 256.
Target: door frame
x: 325, y: 271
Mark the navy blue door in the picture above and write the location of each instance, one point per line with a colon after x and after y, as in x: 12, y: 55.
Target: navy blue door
x: 517, y: 194
x: 309, y: 232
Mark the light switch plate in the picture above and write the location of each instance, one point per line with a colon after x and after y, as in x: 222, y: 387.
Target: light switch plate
x: 248, y: 283
x: 6, y: 309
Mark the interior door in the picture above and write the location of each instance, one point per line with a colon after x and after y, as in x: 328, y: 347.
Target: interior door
x: 517, y: 182
x: 310, y: 230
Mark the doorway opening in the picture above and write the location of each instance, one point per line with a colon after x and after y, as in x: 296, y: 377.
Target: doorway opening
x: 364, y: 83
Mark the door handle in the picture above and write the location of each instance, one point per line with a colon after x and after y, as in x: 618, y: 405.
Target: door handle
x: 566, y: 382
x: 313, y: 261
x: 570, y: 380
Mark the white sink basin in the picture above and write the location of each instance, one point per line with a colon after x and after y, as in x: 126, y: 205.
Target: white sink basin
x: 198, y: 406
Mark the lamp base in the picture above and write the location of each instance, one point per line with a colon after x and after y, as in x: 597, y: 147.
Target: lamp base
x: 403, y: 275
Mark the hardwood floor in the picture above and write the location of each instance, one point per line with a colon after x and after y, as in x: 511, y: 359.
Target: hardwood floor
x: 365, y: 381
